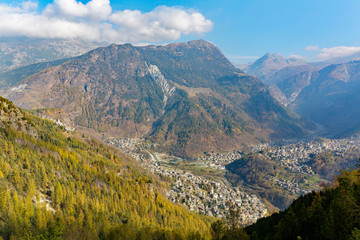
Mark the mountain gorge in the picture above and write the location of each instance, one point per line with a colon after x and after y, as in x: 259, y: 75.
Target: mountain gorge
x: 332, y: 98
x: 186, y: 97
x: 325, y: 93
x: 284, y: 76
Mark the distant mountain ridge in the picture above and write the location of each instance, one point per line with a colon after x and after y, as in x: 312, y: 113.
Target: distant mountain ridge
x: 332, y: 98
x: 12, y: 77
x: 17, y: 52
x: 186, y: 97
x: 276, y: 71
x: 324, y: 92
x: 267, y: 66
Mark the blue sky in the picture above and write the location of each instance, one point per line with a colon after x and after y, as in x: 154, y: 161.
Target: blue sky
x: 239, y: 28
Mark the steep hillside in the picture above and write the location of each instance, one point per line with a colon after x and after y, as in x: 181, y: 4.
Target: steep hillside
x: 185, y: 97
x: 332, y: 98
x: 55, y: 184
x: 262, y: 174
x: 332, y: 213
x: 291, y: 86
x: 12, y: 77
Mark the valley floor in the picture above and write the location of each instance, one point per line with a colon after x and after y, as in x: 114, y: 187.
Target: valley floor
x: 201, y: 184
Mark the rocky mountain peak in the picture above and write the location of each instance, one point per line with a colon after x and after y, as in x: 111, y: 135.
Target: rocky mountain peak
x: 268, y: 65
x: 270, y: 55
x: 274, y: 61
x: 186, y: 97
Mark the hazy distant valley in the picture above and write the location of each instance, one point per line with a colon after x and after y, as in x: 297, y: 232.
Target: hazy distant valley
x: 324, y: 92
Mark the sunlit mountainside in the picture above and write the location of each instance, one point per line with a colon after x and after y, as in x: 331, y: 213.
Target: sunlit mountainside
x: 177, y: 120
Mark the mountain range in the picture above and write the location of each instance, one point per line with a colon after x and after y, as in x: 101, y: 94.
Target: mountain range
x: 186, y: 98
x: 325, y: 92
x: 332, y: 98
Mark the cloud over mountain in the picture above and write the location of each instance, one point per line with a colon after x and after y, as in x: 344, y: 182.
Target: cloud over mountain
x: 96, y: 21
x: 340, y: 51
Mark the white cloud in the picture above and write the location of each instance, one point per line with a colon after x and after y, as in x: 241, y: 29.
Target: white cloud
x: 336, y: 52
x: 95, y: 21
x: 311, y: 48
x: 5, y: 9
x: 161, y: 23
x: 40, y: 26
x: 94, y: 10
x: 29, y: 5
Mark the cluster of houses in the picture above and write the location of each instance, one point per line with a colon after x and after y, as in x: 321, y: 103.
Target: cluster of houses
x: 295, y: 156
x: 209, y: 197
x: 219, y: 160
x: 127, y: 144
x: 289, y: 186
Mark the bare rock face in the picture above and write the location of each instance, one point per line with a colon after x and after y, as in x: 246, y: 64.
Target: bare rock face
x: 186, y: 97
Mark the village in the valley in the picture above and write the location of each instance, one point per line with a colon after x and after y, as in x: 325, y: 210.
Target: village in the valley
x: 214, y: 196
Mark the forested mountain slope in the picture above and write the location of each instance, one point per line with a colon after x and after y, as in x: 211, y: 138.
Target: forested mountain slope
x: 333, y: 213
x: 56, y: 184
